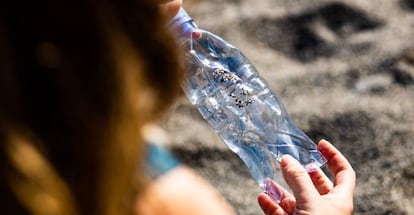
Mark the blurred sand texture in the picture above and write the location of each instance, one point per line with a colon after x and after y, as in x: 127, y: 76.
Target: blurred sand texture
x: 344, y: 71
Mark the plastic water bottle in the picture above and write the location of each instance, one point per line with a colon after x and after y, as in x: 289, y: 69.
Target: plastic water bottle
x: 239, y: 105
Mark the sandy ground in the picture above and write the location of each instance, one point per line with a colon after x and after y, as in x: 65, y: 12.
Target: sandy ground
x: 344, y: 71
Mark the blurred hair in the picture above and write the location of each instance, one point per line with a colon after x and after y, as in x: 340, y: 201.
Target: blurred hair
x: 78, y: 79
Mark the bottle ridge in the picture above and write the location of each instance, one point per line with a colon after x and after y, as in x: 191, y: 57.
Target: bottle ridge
x: 239, y: 105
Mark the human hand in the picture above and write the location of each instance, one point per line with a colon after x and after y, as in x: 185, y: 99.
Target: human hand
x: 313, y: 192
x: 170, y: 8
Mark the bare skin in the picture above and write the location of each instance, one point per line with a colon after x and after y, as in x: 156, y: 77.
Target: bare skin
x: 181, y: 191
x: 314, y: 193
x: 170, y: 8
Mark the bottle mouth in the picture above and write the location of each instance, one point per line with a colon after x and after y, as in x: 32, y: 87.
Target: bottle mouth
x: 188, y: 30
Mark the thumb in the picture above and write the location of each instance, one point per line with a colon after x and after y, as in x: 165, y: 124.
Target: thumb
x: 298, y: 179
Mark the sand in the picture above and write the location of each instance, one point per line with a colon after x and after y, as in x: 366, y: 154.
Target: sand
x: 344, y: 71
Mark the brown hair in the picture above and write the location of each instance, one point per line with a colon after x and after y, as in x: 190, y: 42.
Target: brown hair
x: 78, y: 80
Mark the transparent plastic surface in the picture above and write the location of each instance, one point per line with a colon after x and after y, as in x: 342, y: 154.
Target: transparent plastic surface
x: 239, y: 105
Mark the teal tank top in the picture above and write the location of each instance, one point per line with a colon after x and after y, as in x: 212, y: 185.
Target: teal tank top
x: 159, y: 160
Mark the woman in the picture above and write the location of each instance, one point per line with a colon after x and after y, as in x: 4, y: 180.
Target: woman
x: 79, y: 81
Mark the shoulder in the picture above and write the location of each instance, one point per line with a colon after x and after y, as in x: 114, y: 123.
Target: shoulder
x: 175, y: 189
x: 181, y: 191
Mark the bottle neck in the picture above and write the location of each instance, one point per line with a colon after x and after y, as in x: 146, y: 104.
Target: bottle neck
x: 183, y: 23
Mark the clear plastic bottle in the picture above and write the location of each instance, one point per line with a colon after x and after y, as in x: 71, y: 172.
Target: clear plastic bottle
x: 239, y: 105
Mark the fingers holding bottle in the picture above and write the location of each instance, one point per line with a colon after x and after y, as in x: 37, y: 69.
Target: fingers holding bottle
x: 298, y: 179
x: 321, y: 182
x: 340, y: 168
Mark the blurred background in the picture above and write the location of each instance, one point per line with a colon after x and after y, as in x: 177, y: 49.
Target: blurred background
x: 344, y: 71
